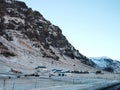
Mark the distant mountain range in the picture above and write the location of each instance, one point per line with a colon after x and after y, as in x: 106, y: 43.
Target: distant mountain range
x: 106, y: 63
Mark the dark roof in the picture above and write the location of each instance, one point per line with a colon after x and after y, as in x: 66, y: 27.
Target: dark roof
x: 40, y: 67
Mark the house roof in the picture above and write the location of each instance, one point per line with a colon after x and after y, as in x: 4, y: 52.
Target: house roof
x: 40, y: 67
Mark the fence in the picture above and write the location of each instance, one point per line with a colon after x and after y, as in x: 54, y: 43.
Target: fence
x: 26, y: 83
x: 18, y: 84
x: 29, y: 83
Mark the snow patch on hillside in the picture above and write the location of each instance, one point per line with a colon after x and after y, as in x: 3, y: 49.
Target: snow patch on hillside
x: 15, y: 19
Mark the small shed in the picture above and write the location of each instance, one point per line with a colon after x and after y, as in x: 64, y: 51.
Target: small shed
x: 60, y: 72
x: 40, y: 68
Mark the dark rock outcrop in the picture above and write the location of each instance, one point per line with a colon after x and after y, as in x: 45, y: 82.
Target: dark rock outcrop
x: 18, y: 17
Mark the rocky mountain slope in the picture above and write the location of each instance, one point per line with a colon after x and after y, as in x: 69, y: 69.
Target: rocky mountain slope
x: 28, y: 40
x: 107, y: 64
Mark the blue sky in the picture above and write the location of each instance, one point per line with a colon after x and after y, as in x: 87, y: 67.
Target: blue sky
x: 91, y: 26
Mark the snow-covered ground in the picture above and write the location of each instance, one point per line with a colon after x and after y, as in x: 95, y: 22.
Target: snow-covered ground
x: 54, y: 83
x: 28, y: 58
x: 106, y: 63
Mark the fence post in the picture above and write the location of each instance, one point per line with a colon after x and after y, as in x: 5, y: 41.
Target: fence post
x: 36, y: 83
x: 13, y: 86
x: 4, y: 85
x: 73, y: 80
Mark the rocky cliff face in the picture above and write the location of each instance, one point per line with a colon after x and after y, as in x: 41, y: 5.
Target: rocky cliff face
x: 21, y: 27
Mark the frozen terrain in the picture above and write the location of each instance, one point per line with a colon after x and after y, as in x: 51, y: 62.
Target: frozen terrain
x: 107, y: 64
x: 28, y: 42
x: 57, y: 83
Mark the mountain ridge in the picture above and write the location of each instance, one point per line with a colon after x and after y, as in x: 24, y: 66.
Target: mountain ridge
x: 27, y: 39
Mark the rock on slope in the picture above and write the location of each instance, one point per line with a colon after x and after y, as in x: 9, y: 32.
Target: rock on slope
x: 107, y: 64
x: 28, y: 40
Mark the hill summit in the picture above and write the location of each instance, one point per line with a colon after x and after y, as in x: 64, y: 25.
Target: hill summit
x: 28, y: 40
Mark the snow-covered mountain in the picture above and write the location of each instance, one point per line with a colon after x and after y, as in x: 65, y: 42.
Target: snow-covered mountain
x: 106, y: 63
x: 28, y: 40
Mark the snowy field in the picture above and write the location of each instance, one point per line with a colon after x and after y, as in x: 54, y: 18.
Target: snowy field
x: 54, y: 83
